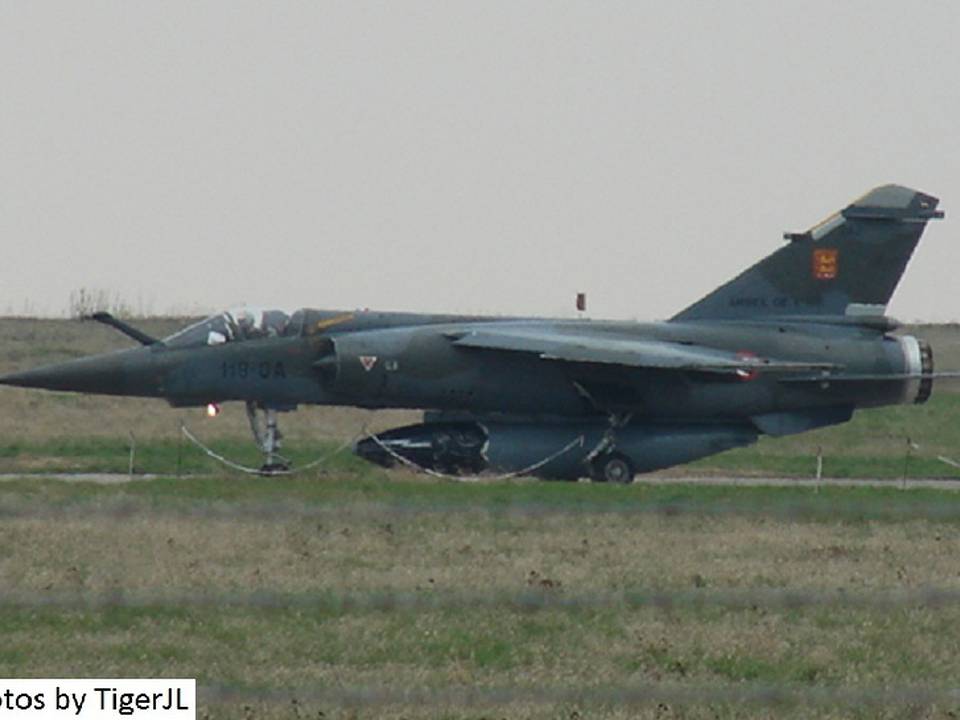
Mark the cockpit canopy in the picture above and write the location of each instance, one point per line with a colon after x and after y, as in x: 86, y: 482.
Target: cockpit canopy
x: 244, y: 323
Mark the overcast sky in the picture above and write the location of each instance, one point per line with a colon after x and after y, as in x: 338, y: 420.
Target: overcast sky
x: 459, y: 156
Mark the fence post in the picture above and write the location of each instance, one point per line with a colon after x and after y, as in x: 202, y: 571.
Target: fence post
x: 906, y: 461
x: 180, y: 450
x: 819, y: 467
x: 133, y: 451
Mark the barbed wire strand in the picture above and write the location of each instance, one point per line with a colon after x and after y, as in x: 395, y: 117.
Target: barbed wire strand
x: 579, y: 440
x: 258, y: 471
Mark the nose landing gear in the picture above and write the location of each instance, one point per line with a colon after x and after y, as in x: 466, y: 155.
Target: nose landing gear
x: 267, y: 435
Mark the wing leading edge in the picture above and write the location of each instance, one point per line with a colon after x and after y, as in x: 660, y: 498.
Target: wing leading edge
x: 653, y: 354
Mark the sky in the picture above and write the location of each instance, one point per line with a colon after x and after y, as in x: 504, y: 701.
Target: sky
x: 476, y: 157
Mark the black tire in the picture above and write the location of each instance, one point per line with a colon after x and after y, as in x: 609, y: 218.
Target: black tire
x: 276, y: 468
x: 613, y: 468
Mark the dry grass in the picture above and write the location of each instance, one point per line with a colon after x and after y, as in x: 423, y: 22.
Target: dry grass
x: 361, y: 546
x: 472, y: 552
x: 37, y: 416
x: 464, y: 552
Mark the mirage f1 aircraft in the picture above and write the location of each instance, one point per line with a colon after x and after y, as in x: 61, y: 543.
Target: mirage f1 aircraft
x: 798, y: 341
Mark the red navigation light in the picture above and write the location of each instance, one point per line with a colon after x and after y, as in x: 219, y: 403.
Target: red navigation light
x: 746, y: 374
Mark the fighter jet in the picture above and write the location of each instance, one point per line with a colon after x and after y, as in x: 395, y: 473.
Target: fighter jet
x: 798, y: 341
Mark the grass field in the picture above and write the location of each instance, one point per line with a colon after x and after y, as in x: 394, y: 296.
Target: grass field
x: 361, y: 596
x: 348, y: 592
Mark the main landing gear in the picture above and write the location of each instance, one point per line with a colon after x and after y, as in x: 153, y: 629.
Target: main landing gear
x: 612, y: 467
x: 605, y: 463
x: 267, y: 435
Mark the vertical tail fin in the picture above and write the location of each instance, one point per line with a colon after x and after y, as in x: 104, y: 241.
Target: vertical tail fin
x: 848, y: 264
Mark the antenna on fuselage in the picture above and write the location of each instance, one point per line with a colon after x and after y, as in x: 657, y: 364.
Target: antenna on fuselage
x: 581, y: 303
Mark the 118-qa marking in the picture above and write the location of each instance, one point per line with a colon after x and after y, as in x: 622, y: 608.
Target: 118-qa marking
x: 263, y: 370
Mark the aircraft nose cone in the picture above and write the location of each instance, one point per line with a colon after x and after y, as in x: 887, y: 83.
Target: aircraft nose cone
x: 40, y: 378
x: 120, y: 373
x: 85, y: 375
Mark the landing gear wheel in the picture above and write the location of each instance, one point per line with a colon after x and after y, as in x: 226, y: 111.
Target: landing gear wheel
x: 274, y: 468
x: 613, y: 468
